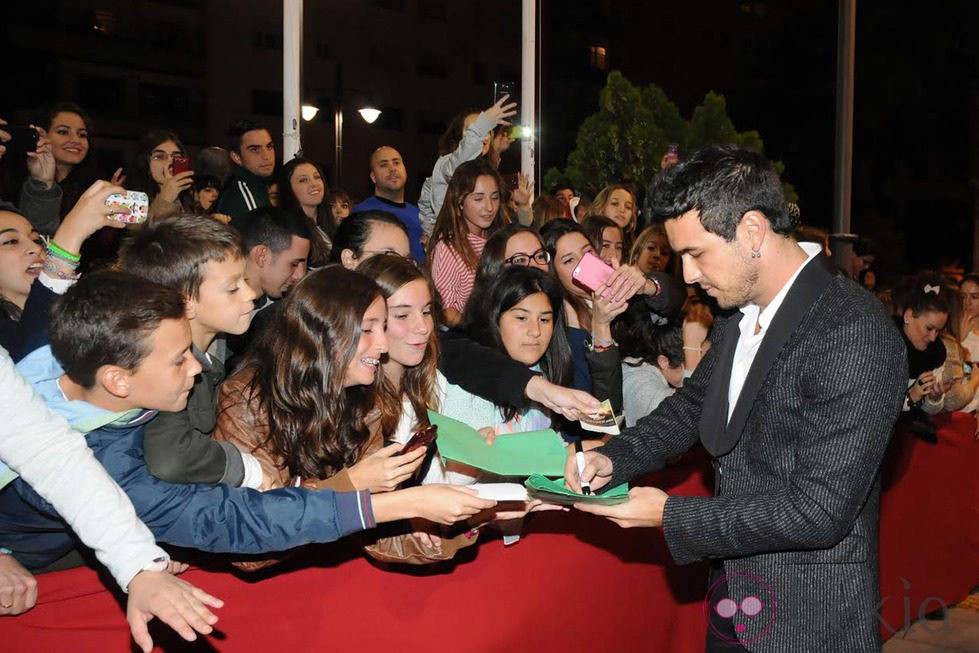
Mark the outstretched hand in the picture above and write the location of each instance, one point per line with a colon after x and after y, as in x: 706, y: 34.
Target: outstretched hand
x: 501, y: 110
x: 569, y: 402
x: 447, y: 504
x: 175, y: 602
x: 643, y: 509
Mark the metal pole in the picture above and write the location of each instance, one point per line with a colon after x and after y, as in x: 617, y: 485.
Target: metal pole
x: 842, y: 239
x: 528, y: 78
x: 292, y: 47
x: 338, y: 128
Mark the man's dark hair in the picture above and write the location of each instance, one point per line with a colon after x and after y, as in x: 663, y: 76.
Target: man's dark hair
x: 723, y: 182
x: 355, y: 231
x: 273, y: 227
x: 239, y: 128
x: 173, y: 251
x: 105, y: 319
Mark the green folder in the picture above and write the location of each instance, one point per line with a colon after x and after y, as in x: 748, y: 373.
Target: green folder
x: 550, y: 491
x: 511, y: 454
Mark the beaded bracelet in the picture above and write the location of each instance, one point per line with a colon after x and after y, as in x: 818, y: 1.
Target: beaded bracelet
x: 58, y: 268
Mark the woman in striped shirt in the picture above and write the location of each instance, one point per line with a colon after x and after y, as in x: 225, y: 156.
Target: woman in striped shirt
x: 472, y: 211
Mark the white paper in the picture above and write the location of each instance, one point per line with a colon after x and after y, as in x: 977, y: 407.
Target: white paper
x: 501, y: 491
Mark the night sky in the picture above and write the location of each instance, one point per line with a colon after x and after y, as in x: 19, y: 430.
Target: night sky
x: 916, y: 140
x: 916, y: 124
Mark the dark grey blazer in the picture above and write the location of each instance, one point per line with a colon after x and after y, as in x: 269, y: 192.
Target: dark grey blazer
x: 798, y: 488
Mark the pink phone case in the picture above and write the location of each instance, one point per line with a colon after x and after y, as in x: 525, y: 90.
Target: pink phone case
x: 591, y: 272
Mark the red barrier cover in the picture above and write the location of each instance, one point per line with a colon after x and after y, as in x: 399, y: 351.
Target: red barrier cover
x: 574, y: 582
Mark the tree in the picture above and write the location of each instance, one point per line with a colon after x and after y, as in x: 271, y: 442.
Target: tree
x: 625, y: 141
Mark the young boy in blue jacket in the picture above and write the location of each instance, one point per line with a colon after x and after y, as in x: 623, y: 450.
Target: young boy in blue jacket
x: 120, y: 350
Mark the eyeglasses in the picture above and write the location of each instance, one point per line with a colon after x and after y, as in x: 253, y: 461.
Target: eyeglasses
x: 160, y: 155
x: 541, y: 257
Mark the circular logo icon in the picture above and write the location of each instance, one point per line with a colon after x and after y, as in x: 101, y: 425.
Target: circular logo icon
x: 755, y: 612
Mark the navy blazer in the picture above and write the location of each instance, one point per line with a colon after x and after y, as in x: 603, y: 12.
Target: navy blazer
x: 795, y: 516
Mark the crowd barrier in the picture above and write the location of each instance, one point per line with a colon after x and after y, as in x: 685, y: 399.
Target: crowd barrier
x: 572, y: 583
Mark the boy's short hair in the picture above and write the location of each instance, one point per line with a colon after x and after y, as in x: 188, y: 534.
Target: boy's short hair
x: 239, y: 128
x: 173, y: 251
x: 273, y: 227
x: 105, y: 319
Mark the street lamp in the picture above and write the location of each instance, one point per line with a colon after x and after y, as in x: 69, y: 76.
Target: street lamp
x: 309, y: 111
x: 369, y: 114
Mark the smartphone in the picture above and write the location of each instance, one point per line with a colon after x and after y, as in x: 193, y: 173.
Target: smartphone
x: 422, y: 438
x: 181, y: 163
x: 22, y: 139
x: 674, y: 149
x: 136, y: 201
x: 591, y: 272
x: 504, y: 88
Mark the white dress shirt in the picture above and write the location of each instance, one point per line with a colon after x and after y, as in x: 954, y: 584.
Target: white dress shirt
x: 750, y: 340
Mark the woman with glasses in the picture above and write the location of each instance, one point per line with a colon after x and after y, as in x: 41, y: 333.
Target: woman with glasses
x: 513, y: 244
x: 152, y: 173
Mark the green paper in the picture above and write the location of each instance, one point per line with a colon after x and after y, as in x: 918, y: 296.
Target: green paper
x: 554, y: 492
x: 511, y: 454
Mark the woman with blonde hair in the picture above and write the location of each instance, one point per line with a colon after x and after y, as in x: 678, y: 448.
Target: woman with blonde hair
x: 617, y: 202
x: 652, y: 252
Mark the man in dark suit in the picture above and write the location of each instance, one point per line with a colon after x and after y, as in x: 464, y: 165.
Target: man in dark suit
x: 795, y: 400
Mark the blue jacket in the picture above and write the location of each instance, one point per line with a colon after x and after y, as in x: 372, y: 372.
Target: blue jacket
x: 407, y: 213
x: 218, y: 519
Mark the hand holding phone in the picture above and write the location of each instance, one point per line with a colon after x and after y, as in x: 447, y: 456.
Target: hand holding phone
x: 501, y: 89
x: 181, y: 163
x: 421, y: 438
x: 591, y: 272
x: 22, y: 139
x: 136, y: 201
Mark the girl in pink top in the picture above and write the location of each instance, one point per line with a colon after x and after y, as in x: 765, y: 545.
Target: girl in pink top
x: 472, y: 211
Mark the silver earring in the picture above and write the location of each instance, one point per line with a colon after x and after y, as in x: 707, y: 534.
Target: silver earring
x: 755, y: 253
x: 907, y: 322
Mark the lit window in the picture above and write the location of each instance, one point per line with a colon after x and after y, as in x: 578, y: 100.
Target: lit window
x: 598, y: 57
x: 104, y: 22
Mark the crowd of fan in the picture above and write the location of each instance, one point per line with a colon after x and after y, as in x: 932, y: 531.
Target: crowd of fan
x: 260, y: 351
